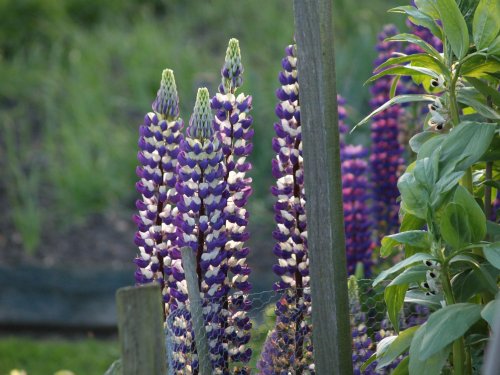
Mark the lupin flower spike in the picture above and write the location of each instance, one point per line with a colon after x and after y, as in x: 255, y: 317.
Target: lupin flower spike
x: 233, y: 69
x: 159, y: 139
x: 167, y: 100
x: 233, y: 125
x: 293, y: 327
x: 386, y: 159
x: 201, y: 226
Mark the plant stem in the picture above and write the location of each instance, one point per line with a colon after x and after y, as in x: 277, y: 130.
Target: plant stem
x: 487, y: 190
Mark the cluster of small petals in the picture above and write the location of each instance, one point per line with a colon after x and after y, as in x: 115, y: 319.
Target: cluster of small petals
x: 359, y: 245
x: 233, y: 124
x: 293, y: 328
x: 386, y: 159
x: 159, y: 139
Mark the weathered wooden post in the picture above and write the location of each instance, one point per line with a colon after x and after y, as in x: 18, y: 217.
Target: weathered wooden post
x: 196, y: 308
x: 325, y: 218
x: 140, y: 327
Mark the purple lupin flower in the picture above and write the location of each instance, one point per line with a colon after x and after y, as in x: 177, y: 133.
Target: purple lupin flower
x: 233, y: 123
x: 293, y: 328
x: 159, y: 139
x: 386, y: 159
x: 359, y: 245
x: 201, y: 223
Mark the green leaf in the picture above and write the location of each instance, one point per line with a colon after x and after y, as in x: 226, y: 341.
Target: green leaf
x: 411, y: 222
x: 394, y: 86
x: 431, y: 366
x: 411, y: 38
x: 493, y: 230
x: 489, y: 312
x: 420, y: 298
x: 455, y: 226
x: 394, y: 296
x: 369, y: 361
x: 485, y: 89
x: 454, y: 25
x: 417, y: 238
x: 475, y: 215
x: 406, y: 70
x: 400, y: 99
x: 415, y: 274
x: 419, y: 18
x: 446, y: 325
x: 429, y: 147
x: 427, y: 7
x: 494, y: 47
x: 479, y: 65
x: 419, y: 257
x: 417, y: 59
x: 484, y: 110
x: 471, y: 282
x: 466, y: 143
x: 417, y: 141
x: 397, y: 347
x: 402, y: 368
x: 486, y: 23
x: 492, y: 254
x: 414, y: 195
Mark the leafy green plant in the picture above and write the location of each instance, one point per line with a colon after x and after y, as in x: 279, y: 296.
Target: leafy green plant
x: 444, y: 203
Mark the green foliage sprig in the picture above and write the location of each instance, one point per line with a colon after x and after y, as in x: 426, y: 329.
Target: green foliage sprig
x: 444, y: 202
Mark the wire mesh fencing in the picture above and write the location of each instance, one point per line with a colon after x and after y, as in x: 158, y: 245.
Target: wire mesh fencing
x: 276, y: 337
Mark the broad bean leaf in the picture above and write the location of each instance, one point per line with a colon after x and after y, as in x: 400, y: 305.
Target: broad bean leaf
x: 486, y: 23
x: 430, y: 366
x: 407, y: 70
x: 484, y: 110
x: 419, y: 257
x: 427, y: 7
x: 485, y: 89
x: 418, y: 140
x: 426, y: 171
x: 399, y: 99
x: 397, y: 347
x: 479, y: 66
x: 415, y: 274
x: 368, y: 362
x: 465, y: 144
x: 446, y: 325
x: 454, y: 226
x: 420, y: 298
x: 411, y: 222
x: 416, y: 238
x: 471, y: 282
x: 454, y: 25
x: 492, y: 254
x: 493, y: 230
x: 431, y: 146
x: 414, y: 195
x: 402, y: 367
x: 412, y: 38
x: 394, y: 297
x: 419, y: 18
x: 417, y: 58
x: 490, y: 311
x: 494, y: 47
x: 475, y: 214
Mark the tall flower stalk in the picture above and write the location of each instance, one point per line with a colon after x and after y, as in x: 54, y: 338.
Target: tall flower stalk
x: 201, y: 223
x: 159, y: 138
x: 233, y: 124
x: 293, y: 328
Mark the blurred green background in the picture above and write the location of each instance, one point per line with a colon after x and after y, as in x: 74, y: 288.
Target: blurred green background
x: 77, y: 77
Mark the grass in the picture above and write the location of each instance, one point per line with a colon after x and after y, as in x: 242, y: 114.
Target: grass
x: 47, y: 356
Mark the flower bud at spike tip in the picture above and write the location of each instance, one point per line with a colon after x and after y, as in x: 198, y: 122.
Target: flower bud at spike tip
x: 201, y: 122
x: 167, y: 100
x: 233, y: 69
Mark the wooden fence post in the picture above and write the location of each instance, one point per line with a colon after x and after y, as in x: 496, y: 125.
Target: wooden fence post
x: 196, y: 308
x: 323, y: 184
x: 140, y: 327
